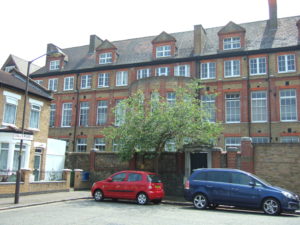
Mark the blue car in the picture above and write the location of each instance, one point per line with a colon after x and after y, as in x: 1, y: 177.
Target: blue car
x: 208, y: 188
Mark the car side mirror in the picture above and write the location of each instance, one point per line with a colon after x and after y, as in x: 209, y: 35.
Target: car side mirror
x: 109, y: 179
x: 251, y: 183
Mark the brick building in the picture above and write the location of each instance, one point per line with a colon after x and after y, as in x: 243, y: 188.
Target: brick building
x: 252, y: 67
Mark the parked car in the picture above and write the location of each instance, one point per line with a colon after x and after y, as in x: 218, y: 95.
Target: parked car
x: 208, y: 188
x: 136, y: 185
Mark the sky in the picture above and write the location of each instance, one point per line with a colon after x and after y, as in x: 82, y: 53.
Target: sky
x: 27, y: 26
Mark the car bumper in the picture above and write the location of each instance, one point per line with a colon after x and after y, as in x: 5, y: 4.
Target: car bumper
x: 156, y: 195
x: 291, y: 206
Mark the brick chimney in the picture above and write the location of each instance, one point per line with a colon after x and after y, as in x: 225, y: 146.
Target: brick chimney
x: 273, y: 14
x: 298, y: 26
x: 95, y: 41
x: 199, y: 39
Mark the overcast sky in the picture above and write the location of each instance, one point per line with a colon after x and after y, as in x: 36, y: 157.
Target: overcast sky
x: 27, y: 26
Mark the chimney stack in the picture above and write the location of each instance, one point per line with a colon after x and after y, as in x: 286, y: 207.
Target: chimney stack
x: 95, y: 41
x: 273, y: 14
x: 199, y: 39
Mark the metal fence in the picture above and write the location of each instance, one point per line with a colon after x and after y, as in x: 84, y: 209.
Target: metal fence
x: 8, y: 176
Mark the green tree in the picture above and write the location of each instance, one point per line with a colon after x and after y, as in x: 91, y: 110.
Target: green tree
x: 146, y: 126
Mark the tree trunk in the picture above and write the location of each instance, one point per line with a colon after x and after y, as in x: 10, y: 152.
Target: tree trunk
x: 156, y: 163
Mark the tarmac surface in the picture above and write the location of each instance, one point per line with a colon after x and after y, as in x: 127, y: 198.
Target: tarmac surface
x: 48, y: 198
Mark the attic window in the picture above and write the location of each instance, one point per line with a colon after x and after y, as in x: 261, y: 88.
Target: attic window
x: 9, y: 68
x: 105, y: 58
x: 163, y: 51
x: 54, y: 65
x: 231, y: 43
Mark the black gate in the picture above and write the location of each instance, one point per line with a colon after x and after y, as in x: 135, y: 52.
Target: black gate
x: 198, y: 160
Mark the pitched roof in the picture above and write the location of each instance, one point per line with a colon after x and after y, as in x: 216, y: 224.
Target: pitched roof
x: 139, y: 50
x: 163, y: 37
x: 17, y: 81
x: 231, y: 27
x: 106, y: 45
x: 20, y: 64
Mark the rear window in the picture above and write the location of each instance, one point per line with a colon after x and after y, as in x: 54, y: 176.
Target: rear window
x: 153, y: 178
x: 199, y: 176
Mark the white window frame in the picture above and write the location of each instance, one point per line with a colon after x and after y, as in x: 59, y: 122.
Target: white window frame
x: 36, y: 107
x: 232, y: 98
x: 105, y: 58
x: 260, y: 140
x: 231, y: 43
x: 86, y: 81
x: 143, y: 73
x: 163, y: 51
x: 52, y: 84
x: 81, y: 145
x: 66, y: 118
x: 171, y: 98
x: 4, y: 152
x: 288, y: 109
x: 84, y: 114
x: 286, y: 63
x: 290, y: 139
x: 182, y: 71
x: 10, y: 99
x: 232, y: 68
x: 209, y: 104
x: 208, y: 70
x: 119, y: 113
x: 54, y: 65
x: 103, y: 80
x: 232, y: 142
x: 40, y: 82
x: 102, y: 112
x: 258, y: 66
x: 259, y: 106
x: 9, y: 68
x: 68, y: 83
x: 162, y: 71
x: 122, y: 78
x: 99, y: 144
x: 52, y: 115
x: 170, y: 146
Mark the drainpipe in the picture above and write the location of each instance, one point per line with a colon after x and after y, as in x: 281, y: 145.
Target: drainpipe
x: 248, y: 97
x: 269, y: 100
x: 76, y: 112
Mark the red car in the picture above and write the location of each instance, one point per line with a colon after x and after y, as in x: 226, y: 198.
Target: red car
x: 136, y: 185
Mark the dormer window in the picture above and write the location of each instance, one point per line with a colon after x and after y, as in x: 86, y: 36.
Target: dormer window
x: 54, y: 65
x: 105, y: 58
x: 231, y: 43
x: 9, y: 68
x: 163, y: 51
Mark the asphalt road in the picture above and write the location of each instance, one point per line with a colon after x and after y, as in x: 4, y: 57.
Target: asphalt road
x: 88, y: 211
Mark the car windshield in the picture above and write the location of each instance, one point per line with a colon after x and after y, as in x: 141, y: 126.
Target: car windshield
x: 261, y: 180
x: 153, y: 178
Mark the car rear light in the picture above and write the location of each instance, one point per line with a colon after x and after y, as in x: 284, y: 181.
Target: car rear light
x: 187, y: 185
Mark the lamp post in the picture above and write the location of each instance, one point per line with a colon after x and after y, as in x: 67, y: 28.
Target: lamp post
x: 18, y: 180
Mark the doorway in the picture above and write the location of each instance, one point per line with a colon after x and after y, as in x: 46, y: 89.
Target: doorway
x: 198, y: 160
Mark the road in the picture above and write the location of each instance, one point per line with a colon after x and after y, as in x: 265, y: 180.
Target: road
x: 88, y: 211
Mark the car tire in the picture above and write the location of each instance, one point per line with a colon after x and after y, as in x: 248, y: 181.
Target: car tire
x: 156, y: 201
x: 200, y: 201
x: 271, y: 206
x: 142, y: 199
x: 98, y: 195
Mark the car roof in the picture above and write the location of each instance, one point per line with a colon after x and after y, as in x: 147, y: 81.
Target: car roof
x: 221, y: 169
x: 135, y: 171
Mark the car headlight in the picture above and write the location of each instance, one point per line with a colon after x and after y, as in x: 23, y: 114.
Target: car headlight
x: 288, y: 195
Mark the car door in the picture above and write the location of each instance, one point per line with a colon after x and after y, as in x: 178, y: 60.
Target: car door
x: 114, y: 187
x: 243, y: 191
x: 134, y: 184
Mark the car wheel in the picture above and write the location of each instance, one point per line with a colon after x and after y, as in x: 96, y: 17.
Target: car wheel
x: 98, y: 195
x: 212, y: 206
x: 200, y: 201
x: 156, y: 201
x: 142, y: 199
x: 271, y: 206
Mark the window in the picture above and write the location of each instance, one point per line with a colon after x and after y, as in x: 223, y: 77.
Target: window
x: 4, y: 147
x: 134, y: 177
x: 86, y: 81
x: 52, y: 115
x: 81, y: 145
x: 258, y: 66
x: 84, y: 114
x: 288, y: 108
x: 183, y: 70
x: 232, y: 43
x: 100, y: 144
x: 35, y: 116
x: 52, y: 84
x: 119, y: 177
x: 143, y: 73
x: 232, y: 104
x: 163, y: 51
x: 119, y: 114
x: 9, y: 68
x: 54, y: 65
x: 170, y: 146
x: 171, y: 98
x: 232, y: 68
x: 10, y: 107
x: 290, y: 139
x: 115, y: 146
x: 286, y: 63
x: 105, y: 58
x: 69, y: 83
x: 260, y: 140
x: 40, y: 82
x: 163, y: 71
x: 122, y: 78
x: 16, y: 157
x: 208, y: 70
x: 102, y: 112
x: 232, y: 142
x: 103, y: 80
x: 66, y: 115
x: 259, y: 106
x: 208, y: 103
x: 239, y: 178
x: 218, y: 176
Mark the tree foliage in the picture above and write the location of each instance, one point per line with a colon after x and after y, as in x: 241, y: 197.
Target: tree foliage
x: 148, y: 124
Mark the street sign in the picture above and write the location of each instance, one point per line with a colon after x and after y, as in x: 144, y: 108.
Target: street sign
x: 25, y: 137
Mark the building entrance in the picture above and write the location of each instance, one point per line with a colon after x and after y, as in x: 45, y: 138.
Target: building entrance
x: 198, y: 160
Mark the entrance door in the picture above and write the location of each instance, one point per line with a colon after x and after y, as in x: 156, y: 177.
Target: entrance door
x: 36, y: 169
x: 198, y: 160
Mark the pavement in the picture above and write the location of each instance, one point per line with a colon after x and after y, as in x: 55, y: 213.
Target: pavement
x: 48, y: 198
